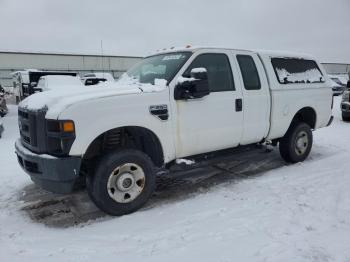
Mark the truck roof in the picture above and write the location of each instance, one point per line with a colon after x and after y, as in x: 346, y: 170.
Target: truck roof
x: 270, y: 53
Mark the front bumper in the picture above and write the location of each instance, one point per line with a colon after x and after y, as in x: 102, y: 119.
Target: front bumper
x: 55, y: 174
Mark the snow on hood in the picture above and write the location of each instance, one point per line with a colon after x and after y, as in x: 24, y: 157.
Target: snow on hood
x: 58, y: 100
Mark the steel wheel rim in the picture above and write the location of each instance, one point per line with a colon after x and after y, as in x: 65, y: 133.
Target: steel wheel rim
x: 126, y: 183
x: 301, y: 143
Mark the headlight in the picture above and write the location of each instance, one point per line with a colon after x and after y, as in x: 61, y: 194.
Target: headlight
x: 60, y: 136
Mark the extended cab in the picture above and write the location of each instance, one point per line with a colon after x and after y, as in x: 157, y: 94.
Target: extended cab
x: 171, y: 105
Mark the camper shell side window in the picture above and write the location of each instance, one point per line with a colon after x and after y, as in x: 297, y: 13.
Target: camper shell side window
x: 297, y: 71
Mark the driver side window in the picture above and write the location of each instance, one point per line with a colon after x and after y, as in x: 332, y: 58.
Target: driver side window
x: 219, y: 71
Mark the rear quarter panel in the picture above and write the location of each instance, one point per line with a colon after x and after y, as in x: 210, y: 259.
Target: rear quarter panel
x: 288, y: 99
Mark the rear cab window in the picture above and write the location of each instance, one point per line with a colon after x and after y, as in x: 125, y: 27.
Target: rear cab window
x: 249, y: 72
x: 297, y: 71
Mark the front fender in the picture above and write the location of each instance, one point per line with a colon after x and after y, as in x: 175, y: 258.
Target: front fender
x: 93, y: 118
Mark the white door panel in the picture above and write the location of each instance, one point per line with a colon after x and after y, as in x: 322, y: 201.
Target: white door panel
x: 256, y: 103
x: 208, y: 124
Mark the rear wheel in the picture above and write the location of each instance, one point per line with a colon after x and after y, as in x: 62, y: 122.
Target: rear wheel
x: 123, y: 182
x: 296, y: 145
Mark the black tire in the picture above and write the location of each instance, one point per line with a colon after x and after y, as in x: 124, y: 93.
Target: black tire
x: 288, y: 145
x: 97, y: 184
x: 346, y: 118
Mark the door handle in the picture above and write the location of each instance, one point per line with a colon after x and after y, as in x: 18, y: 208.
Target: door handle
x: 239, y: 104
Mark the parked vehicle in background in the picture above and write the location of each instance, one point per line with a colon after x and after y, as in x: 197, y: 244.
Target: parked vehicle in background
x: 1, y: 128
x: 96, y: 78
x: 337, y: 88
x: 339, y: 82
x: 3, y: 106
x: 178, y: 104
x: 341, y: 79
x: 345, y: 104
x: 58, y: 82
x: 25, y: 82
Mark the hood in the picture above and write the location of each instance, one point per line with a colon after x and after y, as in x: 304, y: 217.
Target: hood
x: 56, y: 101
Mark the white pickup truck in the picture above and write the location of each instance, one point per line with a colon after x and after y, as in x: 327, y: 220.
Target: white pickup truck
x: 171, y: 105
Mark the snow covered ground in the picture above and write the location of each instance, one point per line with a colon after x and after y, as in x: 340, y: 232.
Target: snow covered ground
x: 293, y: 213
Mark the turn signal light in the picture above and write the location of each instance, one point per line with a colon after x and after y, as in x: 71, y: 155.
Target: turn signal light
x: 67, y: 126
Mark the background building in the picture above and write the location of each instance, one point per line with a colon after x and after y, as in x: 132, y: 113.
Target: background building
x: 16, y: 61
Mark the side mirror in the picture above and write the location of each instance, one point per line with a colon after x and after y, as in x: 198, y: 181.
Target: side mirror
x: 196, y: 86
x: 348, y: 84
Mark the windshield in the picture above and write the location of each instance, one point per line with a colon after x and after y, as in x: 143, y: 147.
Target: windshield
x: 164, y: 66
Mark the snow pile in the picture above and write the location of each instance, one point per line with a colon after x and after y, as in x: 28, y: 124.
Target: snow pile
x: 59, y: 82
x: 294, y: 213
x: 8, y: 89
x: 185, y: 161
x: 75, y: 95
x: 310, y: 76
x: 182, y: 79
x: 158, y: 86
x: 68, y: 96
x: 199, y: 70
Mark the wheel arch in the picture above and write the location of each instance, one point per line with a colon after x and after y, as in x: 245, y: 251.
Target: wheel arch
x: 135, y: 137
x: 306, y: 115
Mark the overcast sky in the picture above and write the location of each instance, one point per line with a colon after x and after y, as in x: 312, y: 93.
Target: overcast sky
x: 138, y: 27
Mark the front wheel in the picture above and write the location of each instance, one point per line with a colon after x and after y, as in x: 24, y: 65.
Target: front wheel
x: 296, y: 145
x: 123, y: 182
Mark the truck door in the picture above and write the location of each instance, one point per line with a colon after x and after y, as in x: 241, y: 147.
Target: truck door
x: 256, y: 97
x: 213, y: 122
